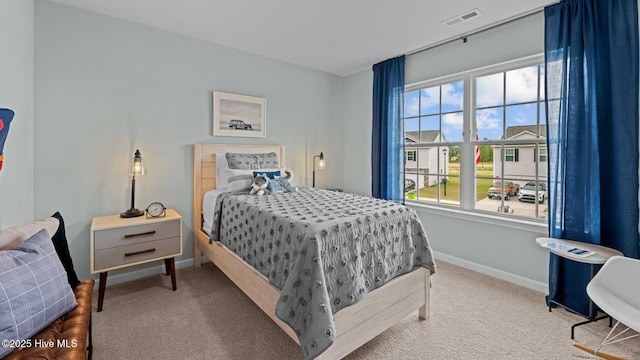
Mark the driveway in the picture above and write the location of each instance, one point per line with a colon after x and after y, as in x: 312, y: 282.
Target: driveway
x: 526, y: 209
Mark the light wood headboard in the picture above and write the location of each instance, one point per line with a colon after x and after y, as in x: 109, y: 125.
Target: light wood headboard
x: 204, y: 169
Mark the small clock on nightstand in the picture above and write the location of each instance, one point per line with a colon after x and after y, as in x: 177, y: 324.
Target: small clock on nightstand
x: 156, y: 210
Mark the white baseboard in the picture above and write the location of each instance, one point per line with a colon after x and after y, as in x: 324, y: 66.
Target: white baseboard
x: 483, y: 269
x: 146, y: 272
x: 499, y: 274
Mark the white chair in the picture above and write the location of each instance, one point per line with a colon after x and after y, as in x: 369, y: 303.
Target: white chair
x: 615, y: 290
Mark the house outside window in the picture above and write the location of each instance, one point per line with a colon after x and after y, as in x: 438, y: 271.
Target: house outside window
x: 481, y: 132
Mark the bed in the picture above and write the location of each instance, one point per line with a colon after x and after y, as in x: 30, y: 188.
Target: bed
x: 355, y: 324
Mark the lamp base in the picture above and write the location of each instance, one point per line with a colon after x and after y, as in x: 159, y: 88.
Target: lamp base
x: 133, y: 212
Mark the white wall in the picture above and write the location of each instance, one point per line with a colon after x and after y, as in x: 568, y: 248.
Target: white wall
x: 16, y: 93
x: 501, y: 248
x: 106, y: 87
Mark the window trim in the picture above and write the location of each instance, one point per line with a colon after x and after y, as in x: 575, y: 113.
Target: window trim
x: 467, y: 146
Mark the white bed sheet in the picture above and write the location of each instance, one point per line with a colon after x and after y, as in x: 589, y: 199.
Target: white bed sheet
x: 208, y: 207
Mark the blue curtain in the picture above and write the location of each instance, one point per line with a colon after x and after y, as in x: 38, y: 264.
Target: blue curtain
x: 591, y: 61
x: 387, y: 163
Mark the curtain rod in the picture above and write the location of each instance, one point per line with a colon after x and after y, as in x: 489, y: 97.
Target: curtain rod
x: 464, y: 36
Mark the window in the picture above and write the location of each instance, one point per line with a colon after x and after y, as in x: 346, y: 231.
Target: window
x: 482, y: 134
x: 543, y: 154
x: 511, y: 154
x: 433, y: 131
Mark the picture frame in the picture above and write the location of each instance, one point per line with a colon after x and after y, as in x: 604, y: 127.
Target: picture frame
x: 239, y: 115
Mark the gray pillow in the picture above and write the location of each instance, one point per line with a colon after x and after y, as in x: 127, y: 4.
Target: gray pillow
x: 33, y: 289
x: 252, y: 161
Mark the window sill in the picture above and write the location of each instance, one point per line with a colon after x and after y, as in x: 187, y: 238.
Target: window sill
x: 485, y: 218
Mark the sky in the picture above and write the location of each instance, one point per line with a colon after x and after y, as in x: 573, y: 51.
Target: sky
x: 521, y: 86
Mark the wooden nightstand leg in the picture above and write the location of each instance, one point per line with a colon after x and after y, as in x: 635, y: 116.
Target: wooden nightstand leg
x: 167, y: 267
x: 172, y: 266
x: 103, y: 283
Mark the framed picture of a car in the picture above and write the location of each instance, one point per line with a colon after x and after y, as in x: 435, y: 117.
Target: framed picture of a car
x: 239, y: 115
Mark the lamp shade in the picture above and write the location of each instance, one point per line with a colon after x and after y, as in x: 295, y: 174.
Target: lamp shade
x: 138, y: 167
x: 321, y: 162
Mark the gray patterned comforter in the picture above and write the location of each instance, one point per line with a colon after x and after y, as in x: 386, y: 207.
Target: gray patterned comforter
x: 325, y: 250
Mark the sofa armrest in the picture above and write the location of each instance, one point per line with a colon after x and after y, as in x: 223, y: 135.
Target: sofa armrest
x: 71, y: 329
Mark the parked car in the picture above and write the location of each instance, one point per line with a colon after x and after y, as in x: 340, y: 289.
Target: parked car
x: 409, y: 185
x: 239, y: 124
x: 496, y: 190
x: 529, y: 193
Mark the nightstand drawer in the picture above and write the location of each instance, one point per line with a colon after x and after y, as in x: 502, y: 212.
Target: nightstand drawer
x: 117, y: 256
x: 110, y: 238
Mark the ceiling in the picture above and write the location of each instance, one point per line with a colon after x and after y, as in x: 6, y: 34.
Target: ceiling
x: 336, y: 36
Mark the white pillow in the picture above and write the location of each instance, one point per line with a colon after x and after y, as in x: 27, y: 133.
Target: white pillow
x: 12, y: 236
x: 221, y: 163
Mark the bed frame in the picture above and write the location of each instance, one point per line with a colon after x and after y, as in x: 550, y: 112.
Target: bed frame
x: 355, y: 324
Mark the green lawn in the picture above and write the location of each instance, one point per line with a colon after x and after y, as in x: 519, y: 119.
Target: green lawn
x: 453, y: 185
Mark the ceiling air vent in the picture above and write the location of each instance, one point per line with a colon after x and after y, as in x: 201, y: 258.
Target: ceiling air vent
x: 462, y: 17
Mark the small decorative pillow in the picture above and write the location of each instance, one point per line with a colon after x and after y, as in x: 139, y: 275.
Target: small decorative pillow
x: 252, y: 161
x: 270, y: 174
x: 33, y: 289
x: 237, y: 179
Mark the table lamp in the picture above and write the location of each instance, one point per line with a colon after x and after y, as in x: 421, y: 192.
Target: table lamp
x: 321, y: 165
x: 137, y: 168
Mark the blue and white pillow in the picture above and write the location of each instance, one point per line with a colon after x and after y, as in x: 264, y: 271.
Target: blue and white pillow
x: 270, y: 174
x: 34, y: 290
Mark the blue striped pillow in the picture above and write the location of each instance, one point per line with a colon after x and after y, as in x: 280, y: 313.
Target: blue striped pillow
x: 270, y: 174
x: 34, y: 290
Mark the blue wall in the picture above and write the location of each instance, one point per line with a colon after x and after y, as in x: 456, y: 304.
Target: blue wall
x: 106, y: 87
x: 16, y: 93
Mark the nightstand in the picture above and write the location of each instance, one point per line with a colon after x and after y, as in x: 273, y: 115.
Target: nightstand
x: 118, y: 243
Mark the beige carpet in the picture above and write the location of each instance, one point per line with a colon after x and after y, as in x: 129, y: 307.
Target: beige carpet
x: 472, y: 317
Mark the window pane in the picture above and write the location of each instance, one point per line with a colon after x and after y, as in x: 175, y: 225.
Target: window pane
x: 542, y: 82
x: 439, y: 175
x: 430, y: 126
x: 497, y: 196
x: 522, y: 85
x: 452, y: 97
x: 543, y: 120
x: 489, y: 124
x: 430, y: 101
x: 450, y: 179
x: 452, y: 126
x: 489, y: 90
x: 522, y: 121
x: 410, y: 183
x: 450, y: 190
x: 411, y: 103
x: 411, y: 127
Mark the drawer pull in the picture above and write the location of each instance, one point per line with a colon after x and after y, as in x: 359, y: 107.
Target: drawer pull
x: 139, y: 252
x: 152, y: 232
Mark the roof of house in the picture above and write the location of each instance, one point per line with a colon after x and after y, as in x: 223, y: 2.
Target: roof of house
x: 513, y: 131
x: 423, y: 136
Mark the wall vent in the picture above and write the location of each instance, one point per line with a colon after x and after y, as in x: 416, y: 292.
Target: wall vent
x: 462, y: 17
